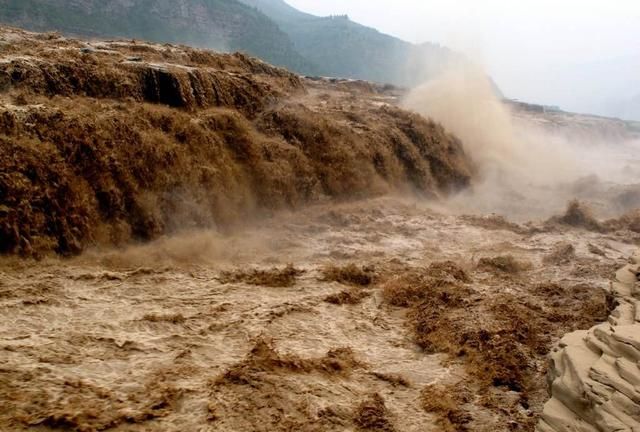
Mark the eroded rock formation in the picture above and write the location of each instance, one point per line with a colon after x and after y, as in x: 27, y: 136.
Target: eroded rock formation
x: 595, y: 374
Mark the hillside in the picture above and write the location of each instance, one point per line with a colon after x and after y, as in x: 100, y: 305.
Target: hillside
x: 343, y: 48
x: 226, y: 25
x: 279, y: 10
x: 269, y: 29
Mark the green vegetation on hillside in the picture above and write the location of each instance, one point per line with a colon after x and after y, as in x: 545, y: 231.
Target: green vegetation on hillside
x: 217, y: 24
x: 269, y: 29
x: 343, y: 48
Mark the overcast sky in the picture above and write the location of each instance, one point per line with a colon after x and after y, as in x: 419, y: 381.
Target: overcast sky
x: 579, y: 54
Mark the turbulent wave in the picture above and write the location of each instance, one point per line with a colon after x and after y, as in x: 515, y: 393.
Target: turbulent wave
x: 107, y: 142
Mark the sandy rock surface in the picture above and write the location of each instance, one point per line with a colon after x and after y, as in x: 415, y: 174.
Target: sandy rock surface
x: 596, y: 373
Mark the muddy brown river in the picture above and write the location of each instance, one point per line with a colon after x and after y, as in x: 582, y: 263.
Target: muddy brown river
x: 210, y: 332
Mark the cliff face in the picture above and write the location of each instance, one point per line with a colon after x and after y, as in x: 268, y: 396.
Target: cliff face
x: 105, y: 142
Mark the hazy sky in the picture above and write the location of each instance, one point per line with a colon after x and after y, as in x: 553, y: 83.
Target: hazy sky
x: 579, y: 54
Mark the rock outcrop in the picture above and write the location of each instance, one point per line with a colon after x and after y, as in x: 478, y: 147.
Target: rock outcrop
x: 595, y: 374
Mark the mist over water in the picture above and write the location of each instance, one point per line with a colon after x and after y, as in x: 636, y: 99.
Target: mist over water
x: 526, y: 170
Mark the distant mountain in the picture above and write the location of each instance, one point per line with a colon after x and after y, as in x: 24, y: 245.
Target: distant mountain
x: 218, y: 24
x: 268, y: 29
x: 279, y: 10
x: 341, y: 47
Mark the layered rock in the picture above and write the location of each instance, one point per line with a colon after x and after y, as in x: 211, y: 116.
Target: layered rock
x: 595, y: 374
